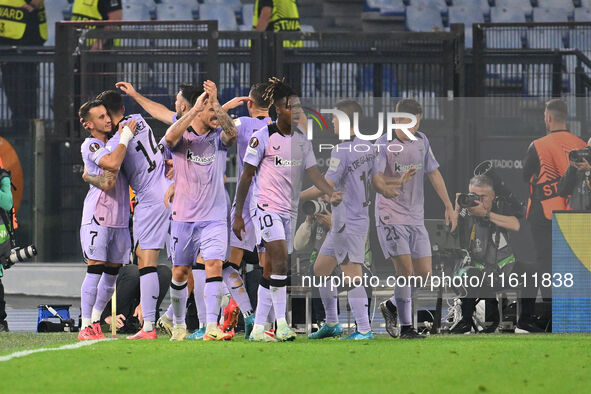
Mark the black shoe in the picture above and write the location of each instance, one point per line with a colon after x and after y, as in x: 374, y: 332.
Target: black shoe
x: 4, y: 326
x: 525, y: 326
x: 462, y: 327
x: 390, y: 314
x: 491, y: 329
x: 410, y: 334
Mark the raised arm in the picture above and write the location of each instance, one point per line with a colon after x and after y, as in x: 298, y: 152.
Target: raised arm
x: 113, y: 160
x: 229, y: 131
x: 156, y: 110
x: 235, y: 102
x: 175, y: 132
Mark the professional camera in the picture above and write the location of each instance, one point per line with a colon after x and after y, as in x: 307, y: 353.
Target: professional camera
x: 504, y: 197
x: 467, y: 200
x: 19, y: 255
x: 579, y: 155
x: 313, y: 207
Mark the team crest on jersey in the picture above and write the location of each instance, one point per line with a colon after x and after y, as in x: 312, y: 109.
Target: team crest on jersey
x: 334, y: 164
x: 254, y: 142
x: 94, y: 147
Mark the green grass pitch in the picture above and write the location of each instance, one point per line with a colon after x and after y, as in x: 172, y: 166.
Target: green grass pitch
x: 462, y: 364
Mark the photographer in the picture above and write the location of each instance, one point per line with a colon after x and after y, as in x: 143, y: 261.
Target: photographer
x: 309, y: 237
x: 6, y: 232
x: 484, y: 220
x: 576, y: 183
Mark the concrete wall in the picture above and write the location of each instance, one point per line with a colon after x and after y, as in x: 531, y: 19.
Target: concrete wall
x: 44, y: 279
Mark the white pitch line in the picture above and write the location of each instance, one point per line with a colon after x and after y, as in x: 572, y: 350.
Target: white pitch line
x: 23, y: 353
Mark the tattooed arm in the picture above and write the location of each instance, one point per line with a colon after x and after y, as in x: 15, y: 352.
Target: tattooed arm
x: 175, y: 131
x: 229, y: 131
x: 104, y: 181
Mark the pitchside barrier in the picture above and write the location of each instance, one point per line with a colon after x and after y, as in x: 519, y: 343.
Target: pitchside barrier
x: 571, y: 254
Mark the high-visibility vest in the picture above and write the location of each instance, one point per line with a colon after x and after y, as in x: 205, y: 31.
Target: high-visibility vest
x: 13, y: 20
x: 14, y: 222
x: 88, y: 10
x: 284, y: 17
x: 552, y: 151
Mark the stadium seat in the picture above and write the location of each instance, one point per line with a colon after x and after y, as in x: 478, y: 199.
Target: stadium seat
x: 247, y: 14
x: 419, y: 18
x: 524, y: 5
x: 482, y: 4
x: 582, y: 14
x: 224, y: 15
x: 148, y: 3
x: 54, y: 14
x: 234, y: 4
x: 550, y: 15
x: 173, y: 12
x: 511, y: 38
x: 562, y: 4
x: 467, y: 16
x: 191, y: 4
x: 307, y: 28
x: 441, y: 5
x: 507, y: 15
x: 392, y: 7
x: 586, y: 3
x: 136, y: 11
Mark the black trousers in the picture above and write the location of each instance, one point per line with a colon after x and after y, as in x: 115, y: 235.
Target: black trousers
x: 542, y: 235
x: 128, y: 292
x: 2, y: 303
x: 491, y: 307
x: 21, y: 82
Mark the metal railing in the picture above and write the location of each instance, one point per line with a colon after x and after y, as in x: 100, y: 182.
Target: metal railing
x: 157, y: 56
x: 529, y: 59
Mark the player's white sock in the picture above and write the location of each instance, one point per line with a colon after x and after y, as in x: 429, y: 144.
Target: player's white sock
x: 96, y: 315
x: 148, y: 326
x: 86, y: 321
x: 178, y: 299
x: 281, y: 322
x: 258, y: 328
x: 211, y: 326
